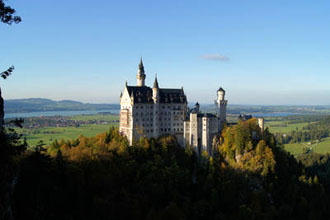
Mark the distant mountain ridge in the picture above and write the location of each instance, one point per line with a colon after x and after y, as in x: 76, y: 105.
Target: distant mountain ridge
x: 44, y: 105
x: 41, y: 104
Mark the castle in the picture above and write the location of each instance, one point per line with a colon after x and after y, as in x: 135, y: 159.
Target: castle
x: 153, y: 112
x: 201, y: 128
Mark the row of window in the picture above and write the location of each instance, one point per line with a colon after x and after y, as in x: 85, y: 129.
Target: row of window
x: 160, y: 119
x: 163, y: 130
x: 161, y: 124
x: 178, y: 107
x: 161, y: 113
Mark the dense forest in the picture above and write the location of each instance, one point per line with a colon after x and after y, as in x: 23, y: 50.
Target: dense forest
x: 102, y: 177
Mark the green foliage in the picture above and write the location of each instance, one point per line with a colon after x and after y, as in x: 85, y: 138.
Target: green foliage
x: 11, y: 147
x: 94, y: 147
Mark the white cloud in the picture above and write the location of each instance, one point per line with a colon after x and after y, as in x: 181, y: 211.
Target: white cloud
x: 215, y: 57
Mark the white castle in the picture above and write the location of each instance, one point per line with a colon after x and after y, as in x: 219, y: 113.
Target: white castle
x: 153, y: 112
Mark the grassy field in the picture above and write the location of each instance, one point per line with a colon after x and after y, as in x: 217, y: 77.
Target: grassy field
x: 297, y: 148
x: 99, y: 117
x: 283, y: 126
x: 49, y: 134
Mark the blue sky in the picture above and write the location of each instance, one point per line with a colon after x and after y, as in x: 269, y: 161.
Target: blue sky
x: 261, y: 52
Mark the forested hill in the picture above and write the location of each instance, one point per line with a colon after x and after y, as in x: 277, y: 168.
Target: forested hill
x: 39, y: 104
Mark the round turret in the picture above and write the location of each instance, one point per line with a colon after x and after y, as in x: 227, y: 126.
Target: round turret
x: 197, y: 107
x: 155, y: 91
x: 221, y: 94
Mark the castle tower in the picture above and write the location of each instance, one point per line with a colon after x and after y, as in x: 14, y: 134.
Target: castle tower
x: 156, y: 99
x: 221, y: 104
x: 261, y: 123
x: 197, y: 107
x: 155, y: 91
x: 140, y: 76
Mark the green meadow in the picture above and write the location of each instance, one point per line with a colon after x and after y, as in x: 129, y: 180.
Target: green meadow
x: 49, y: 134
x: 322, y: 147
x: 284, y: 126
x: 100, y: 117
x: 281, y: 125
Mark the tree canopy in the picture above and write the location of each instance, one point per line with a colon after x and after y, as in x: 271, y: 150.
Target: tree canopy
x: 7, y: 14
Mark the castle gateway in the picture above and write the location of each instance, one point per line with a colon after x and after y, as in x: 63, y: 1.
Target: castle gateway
x: 152, y: 112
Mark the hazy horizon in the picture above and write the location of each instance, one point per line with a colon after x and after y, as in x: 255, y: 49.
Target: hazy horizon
x: 261, y: 53
x: 189, y: 102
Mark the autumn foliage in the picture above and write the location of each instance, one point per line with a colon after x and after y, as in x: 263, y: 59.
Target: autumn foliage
x: 102, y: 177
x: 245, y: 147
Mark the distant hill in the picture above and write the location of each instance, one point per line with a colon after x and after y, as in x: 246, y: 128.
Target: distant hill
x: 269, y: 109
x: 39, y: 104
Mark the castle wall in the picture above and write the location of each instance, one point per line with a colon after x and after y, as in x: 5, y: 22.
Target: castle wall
x: 186, y: 134
x: 151, y: 112
x: 125, y: 116
x: 205, y: 133
x: 153, y: 120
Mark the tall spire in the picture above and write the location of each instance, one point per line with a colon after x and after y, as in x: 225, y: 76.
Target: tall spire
x: 141, y: 67
x: 156, y: 83
x: 140, y: 76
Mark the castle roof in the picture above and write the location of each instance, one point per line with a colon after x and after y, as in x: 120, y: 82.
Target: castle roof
x: 221, y: 89
x: 156, y: 83
x: 207, y: 115
x: 143, y: 94
x: 141, y: 69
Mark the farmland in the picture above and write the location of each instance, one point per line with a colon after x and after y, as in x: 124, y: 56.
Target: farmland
x: 48, y: 129
x: 86, y: 125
